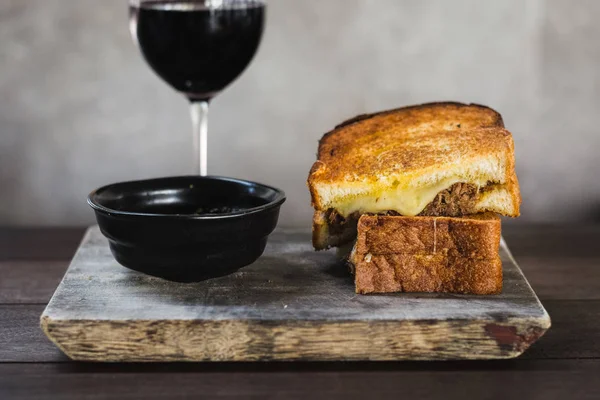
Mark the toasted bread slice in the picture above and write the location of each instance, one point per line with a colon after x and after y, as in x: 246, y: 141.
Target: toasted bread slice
x: 428, y: 254
x: 400, y: 160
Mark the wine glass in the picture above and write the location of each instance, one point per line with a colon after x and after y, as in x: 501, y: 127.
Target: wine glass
x: 198, y: 47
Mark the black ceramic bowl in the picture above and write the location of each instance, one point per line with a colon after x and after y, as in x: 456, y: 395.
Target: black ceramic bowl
x: 187, y: 228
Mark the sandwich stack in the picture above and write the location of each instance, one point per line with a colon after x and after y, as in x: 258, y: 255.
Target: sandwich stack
x: 411, y: 197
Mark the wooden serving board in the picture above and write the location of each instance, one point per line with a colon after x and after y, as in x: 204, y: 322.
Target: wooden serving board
x: 292, y: 304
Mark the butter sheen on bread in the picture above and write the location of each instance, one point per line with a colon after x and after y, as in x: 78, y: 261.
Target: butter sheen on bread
x: 402, y: 160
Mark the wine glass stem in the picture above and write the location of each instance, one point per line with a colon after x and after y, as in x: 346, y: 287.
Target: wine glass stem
x: 199, y: 112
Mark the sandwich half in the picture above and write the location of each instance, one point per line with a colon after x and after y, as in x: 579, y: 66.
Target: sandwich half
x: 427, y: 254
x: 437, y: 159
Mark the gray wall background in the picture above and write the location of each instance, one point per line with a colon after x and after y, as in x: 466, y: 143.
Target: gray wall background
x: 79, y: 108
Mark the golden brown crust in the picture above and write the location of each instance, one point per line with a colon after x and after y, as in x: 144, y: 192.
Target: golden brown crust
x: 406, y: 139
x: 447, y: 105
x: 428, y: 254
x: 513, y: 183
x: 373, y: 155
x: 434, y: 273
x: 311, y: 187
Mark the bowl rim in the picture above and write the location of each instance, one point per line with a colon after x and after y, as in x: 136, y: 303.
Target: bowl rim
x: 279, y: 199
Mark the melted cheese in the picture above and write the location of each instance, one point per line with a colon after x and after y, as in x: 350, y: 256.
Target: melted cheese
x: 407, y: 201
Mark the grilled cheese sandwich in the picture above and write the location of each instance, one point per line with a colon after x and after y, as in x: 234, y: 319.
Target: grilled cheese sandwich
x: 405, y: 161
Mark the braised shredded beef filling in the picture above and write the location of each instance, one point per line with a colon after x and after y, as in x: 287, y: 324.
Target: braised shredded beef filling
x: 459, y: 199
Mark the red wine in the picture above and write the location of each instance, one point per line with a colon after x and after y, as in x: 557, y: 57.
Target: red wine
x: 197, y: 49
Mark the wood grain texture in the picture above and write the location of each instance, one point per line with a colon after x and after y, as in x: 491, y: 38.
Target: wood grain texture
x: 561, y: 262
x: 563, y: 278
x: 21, y: 339
x: 39, y: 243
x: 292, y: 304
x: 505, y: 379
x: 574, y: 333
x: 552, y: 240
x: 29, y: 282
x: 555, y: 271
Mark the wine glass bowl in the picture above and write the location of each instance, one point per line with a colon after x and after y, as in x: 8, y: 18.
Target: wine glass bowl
x: 198, y: 47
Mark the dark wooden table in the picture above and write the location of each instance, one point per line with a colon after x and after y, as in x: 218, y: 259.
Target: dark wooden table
x: 561, y: 262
